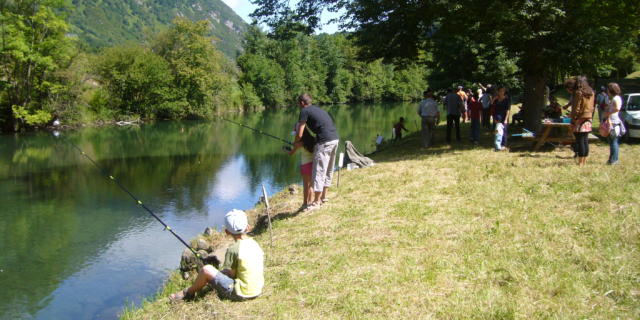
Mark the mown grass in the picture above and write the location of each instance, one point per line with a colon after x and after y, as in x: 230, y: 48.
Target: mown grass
x: 451, y: 232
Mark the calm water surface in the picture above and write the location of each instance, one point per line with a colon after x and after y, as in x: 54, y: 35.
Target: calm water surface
x: 73, y: 246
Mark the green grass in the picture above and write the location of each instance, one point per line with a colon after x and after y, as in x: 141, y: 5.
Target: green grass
x: 634, y: 75
x: 451, y: 232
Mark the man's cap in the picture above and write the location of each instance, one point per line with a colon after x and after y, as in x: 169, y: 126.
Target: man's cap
x: 235, y: 221
x: 460, y: 87
x: 499, y: 118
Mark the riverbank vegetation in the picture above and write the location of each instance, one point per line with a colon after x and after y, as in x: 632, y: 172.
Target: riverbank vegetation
x: 450, y: 232
x: 178, y: 73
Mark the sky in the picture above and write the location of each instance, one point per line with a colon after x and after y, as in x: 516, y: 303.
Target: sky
x: 243, y: 8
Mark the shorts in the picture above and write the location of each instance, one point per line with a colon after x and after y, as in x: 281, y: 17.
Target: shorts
x: 306, y: 168
x: 225, y: 287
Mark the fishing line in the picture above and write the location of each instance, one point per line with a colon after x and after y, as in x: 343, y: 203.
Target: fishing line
x: 258, y: 131
x: 123, y: 188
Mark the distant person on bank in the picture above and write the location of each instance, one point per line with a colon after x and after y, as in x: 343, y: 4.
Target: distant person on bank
x: 463, y: 96
x: 581, y: 117
x: 485, y: 99
x: 241, y: 277
x: 475, y: 113
x: 306, y: 164
x: 602, y: 102
x: 553, y: 110
x: 569, y: 84
x: 324, y: 152
x: 502, y: 108
x: 398, y: 127
x: 454, y: 107
x: 498, y: 134
x: 611, y: 114
x: 428, y: 111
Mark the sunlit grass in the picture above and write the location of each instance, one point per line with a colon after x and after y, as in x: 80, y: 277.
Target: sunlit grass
x: 451, y: 232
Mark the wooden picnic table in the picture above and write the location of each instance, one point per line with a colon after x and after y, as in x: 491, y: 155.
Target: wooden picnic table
x: 565, y: 137
x: 545, y: 134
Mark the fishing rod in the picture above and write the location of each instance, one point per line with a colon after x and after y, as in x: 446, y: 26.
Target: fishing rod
x: 258, y: 131
x: 123, y: 188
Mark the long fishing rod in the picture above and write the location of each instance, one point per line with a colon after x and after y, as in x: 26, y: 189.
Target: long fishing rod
x: 257, y: 131
x: 123, y: 188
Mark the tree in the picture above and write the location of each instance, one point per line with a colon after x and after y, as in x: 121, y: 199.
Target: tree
x: 139, y: 82
x: 266, y: 78
x: 33, y: 47
x: 545, y: 36
x: 204, y: 77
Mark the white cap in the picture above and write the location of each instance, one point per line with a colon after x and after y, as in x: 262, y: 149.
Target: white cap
x: 235, y: 221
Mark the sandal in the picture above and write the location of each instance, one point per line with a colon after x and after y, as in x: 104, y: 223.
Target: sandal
x: 325, y: 200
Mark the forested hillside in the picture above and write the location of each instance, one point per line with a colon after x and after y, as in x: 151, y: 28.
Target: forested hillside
x: 103, y: 23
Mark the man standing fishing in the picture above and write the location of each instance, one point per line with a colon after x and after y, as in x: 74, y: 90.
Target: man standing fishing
x: 324, y: 151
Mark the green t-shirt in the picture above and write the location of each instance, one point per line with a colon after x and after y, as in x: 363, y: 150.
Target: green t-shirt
x: 247, y: 259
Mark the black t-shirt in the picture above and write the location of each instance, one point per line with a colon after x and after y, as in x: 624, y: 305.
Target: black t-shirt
x: 320, y: 123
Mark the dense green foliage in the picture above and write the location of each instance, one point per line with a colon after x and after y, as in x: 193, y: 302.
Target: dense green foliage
x: 279, y: 67
x: 33, y: 51
x: 179, y: 72
x: 546, y: 39
x: 104, y: 23
x: 181, y: 75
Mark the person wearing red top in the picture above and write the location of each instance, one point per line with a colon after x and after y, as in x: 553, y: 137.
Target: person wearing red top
x: 398, y: 127
x: 475, y: 110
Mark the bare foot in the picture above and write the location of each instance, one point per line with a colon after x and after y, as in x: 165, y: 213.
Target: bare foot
x: 180, y: 296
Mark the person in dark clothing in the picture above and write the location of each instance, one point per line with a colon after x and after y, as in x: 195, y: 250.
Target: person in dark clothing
x: 324, y: 152
x: 398, y: 127
x: 475, y: 111
x: 502, y: 103
x: 454, y: 106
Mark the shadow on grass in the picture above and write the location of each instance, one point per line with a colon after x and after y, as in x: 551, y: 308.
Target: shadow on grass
x: 262, y: 224
x: 411, y: 146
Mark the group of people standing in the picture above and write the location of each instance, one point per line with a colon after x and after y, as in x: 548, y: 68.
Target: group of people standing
x: 461, y: 105
x: 486, y: 104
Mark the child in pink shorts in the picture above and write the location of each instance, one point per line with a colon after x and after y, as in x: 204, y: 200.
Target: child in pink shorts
x: 306, y: 164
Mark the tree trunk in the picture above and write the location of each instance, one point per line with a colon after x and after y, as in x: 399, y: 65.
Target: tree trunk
x: 534, y: 92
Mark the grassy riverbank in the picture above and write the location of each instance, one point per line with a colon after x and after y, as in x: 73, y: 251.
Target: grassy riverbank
x: 451, y: 232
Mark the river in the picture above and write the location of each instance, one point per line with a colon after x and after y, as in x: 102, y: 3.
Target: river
x: 74, y: 246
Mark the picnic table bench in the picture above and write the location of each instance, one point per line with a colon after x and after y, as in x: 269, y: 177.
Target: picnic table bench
x: 545, y: 135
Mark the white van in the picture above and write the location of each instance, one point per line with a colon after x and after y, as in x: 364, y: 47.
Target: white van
x: 630, y: 114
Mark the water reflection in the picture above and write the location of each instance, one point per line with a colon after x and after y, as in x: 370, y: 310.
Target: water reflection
x: 74, y: 246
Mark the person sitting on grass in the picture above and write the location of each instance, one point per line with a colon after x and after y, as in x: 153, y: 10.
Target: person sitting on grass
x: 241, y: 277
x: 554, y: 109
x: 398, y: 127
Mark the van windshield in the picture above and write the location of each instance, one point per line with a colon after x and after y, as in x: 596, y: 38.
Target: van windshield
x: 633, y: 104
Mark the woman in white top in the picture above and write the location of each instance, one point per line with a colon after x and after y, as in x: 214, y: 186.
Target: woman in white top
x: 611, y: 115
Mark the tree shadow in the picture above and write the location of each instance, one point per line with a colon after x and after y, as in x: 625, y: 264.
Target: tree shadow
x: 410, y: 147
